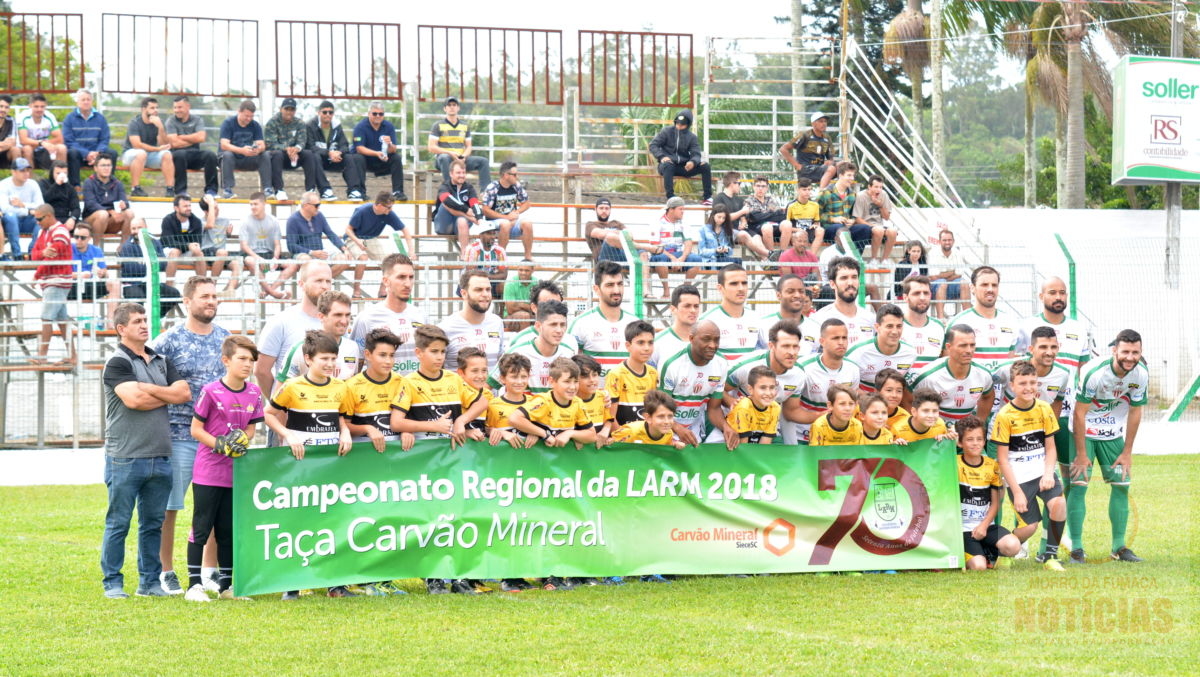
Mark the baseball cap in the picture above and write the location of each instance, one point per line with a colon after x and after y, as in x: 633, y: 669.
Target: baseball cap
x: 675, y: 202
x: 288, y: 103
x: 20, y: 163
x: 483, y: 227
x: 603, y: 201
x: 684, y: 119
x: 450, y: 100
x: 817, y: 116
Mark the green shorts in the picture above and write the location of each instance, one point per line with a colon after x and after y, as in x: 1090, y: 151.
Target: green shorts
x: 1104, y: 453
x: 1064, y: 442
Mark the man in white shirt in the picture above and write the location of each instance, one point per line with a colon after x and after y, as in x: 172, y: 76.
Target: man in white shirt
x: 394, y: 312
x: 844, y: 274
x: 947, y: 270
x: 282, y: 331
x: 475, y: 325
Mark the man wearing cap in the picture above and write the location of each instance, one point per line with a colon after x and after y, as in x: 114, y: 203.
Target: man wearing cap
x: 484, y: 252
x: 604, y: 236
x: 675, y: 244
x: 503, y: 201
x: 678, y: 153
x: 813, y: 157
x: 450, y: 139
x: 374, y: 138
x: 329, y: 145
x: 19, y: 197
x: 287, y: 138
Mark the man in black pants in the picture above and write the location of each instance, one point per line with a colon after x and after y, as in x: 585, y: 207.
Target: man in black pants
x: 185, y: 133
x: 678, y: 153
x: 328, y: 142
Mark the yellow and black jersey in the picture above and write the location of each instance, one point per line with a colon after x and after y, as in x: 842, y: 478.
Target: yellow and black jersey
x: 753, y: 424
x: 910, y: 431
x: 882, y: 436
x: 548, y: 414
x: 427, y: 399
x: 897, y: 416
x: 312, y: 408
x: 372, y: 401
x: 975, y: 484
x: 1024, y: 432
x: 597, y: 408
x: 628, y: 389
x: 824, y: 434
x: 636, y: 433
x: 499, y: 409
x: 473, y: 394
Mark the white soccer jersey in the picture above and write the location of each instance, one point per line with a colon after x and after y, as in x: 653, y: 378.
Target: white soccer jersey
x: 926, y: 341
x: 860, y: 327
x: 402, y: 324
x: 539, y: 372
x: 692, y: 386
x: 871, y: 360
x: 817, y: 379
x: 666, y: 344
x: 601, y: 339
x: 739, y: 335
x: 995, y: 337
x: 528, y: 333
x: 959, y: 397
x: 1111, y: 397
x: 1075, y: 348
x: 488, y: 336
x: 791, y: 383
x: 293, y: 363
x: 768, y: 321
x: 1052, y: 387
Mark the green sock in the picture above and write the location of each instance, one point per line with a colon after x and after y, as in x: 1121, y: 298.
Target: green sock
x: 1076, y: 510
x: 1118, y: 514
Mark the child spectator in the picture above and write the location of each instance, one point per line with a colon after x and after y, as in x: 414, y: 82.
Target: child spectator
x: 805, y: 215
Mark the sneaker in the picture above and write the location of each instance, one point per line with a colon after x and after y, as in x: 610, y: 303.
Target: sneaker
x: 354, y: 196
x: 706, y: 202
x: 557, y: 583
x: 514, y: 585
x: 655, y: 578
x: 341, y: 591
x: 227, y: 594
x: 327, y: 194
x: 613, y: 580
x: 436, y: 586
x: 1078, y: 557
x: 462, y: 586
x: 399, y: 196
x: 390, y: 588
x: 152, y: 591
x: 588, y: 582
x: 281, y: 196
x: 290, y: 595
x: 1024, y: 552
x: 196, y: 593
x: 169, y: 191
x: 115, y: 593
x: 170, y: 582
x: 1004, y: 563
x: 210, y: 584
x: 1041, y: 558
x: 1125, y: 555
x: 479, y: 586
x: 1053, y: 565
x: 368, y: 590
x: 227, y: 194
x: 774, y: 255
x: 137, y: 192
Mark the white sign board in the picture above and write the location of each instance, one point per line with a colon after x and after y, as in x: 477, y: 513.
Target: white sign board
x: 1156, y: 121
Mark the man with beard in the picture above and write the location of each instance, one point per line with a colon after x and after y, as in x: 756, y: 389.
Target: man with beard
x: 394, y: 312
x: 475, y: 325
x: 885, y: 351
x: 541, y: 292
x: 844, y: 275
x: 946, y: 269
x: 924, y: 333
x: 194, y: 348
x: 695, y: 379
x: 601, y: 330
x: 334, y: 310
x: 783, y: 348
x: 604, y: 236
x: 738, y: 324
x: 284, y: 329
x: 792, y: 301
x: 824, y: 370
x: 965, y: 386
x: 995, y: 330
x: 685, y: 309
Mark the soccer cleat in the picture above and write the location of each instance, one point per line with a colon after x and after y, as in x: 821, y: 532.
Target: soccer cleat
x: 227, y: 594
x: 341, y: 591
x: 479, y: 586
x: 399, y: 196
x: 1125, y: 555
x: 210, y: 584
x: 1053, y: 565
x: 462, y: 586
x: 1004, y: 563
x: 115, y: 593
x: 196, y: 593
x: 155, y: 590
x: 1041, y: 558
x: 390, y: 588
x: 1077, y: 556
x: 368, y: 589
x: 613, y: 580
x: 514, y: 585
x: 281, y: 196
x: 170, y: 582
x: 655, y: 578
x: 557, y: 583
x: 290, y: 595
x: 774, y: 255
x: 1024, y: 552
x: 327, y: 194
x: 137, y: 192
x: 436, y: 586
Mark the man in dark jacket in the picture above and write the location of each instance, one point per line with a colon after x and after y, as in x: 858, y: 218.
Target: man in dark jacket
x: 678, y: 153
x: 328, y: 142
x: 286, y: 138
x: 58, y: 192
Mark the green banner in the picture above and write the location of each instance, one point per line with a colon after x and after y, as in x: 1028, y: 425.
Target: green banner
x: 495, y: 512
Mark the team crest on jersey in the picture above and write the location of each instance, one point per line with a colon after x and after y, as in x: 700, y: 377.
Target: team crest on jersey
x: 959, y: 401
x: 697, y: 388
x: 616, y: 345
x: 992, y: 340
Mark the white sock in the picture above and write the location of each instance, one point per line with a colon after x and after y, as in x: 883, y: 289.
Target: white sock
x: 208, y: 572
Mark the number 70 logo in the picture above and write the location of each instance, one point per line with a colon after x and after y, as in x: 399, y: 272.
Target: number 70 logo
x: 849, y: 519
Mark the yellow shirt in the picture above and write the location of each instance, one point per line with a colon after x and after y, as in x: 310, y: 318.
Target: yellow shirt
x: 637, y: 434
x: 905, y: 431
x: 597, y: 408
x: 884, y: 436
x: 629, y: 390
x: 823, y: 434
x: 900, y: 414
x: 372, y: 402
x: 313, y: 409
x: 428, y: 399
x: 1024, y: 432
x: 499, y: 409
x: 545, y: 412
x: 806, y: 214
x: 752, y: 423
x: 473, y: 394
x: 975, y: 484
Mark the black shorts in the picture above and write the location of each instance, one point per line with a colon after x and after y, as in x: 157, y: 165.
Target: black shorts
x: 985, y: 546
x: 812, y: 173
x: 1032, y: 514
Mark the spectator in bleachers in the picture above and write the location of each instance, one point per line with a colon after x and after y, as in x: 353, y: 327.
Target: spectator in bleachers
x: 837, y: 208
x: 328, y: 143
x: 450, y: 139
x: 133, y: 273
x: 105, y: 207
x: 716, y: 239
x: 95, y: 279
x: 813, y: 157
x: 799, y: 260
x: 517, y: 288
x: 604, y: 236
x: 53, y: 248
x: 485, y: 253
x: 86, y: 135
x: 146, y: 146
x: 242, y: 147
x: 768, y: 219
x: 676, y: 244
x: 947, y: 271
x: 39, y: 135
x: 19, y: 197
x: 730, y: 197
x: 261, y: 242
x: 58, y: 192
x: 912, y: 265
x: 375, y: 139
x: 9, y: 150
x: 304, y: 230
x: 217, y: 230
x: 185, y: 134
x: 504, y: 200
x: 287, y: 142
x: 180, y: 233
x: 457, y: 208
x: 804, y: 214
x: 364, y: 241
x: 873, y: 208
x: 678, y: 153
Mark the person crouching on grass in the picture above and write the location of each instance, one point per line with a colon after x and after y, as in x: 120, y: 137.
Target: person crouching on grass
x: 223, y: 423
x: 838, y: 425
x: 658, y: 414
x: 755, y: 418
x: 979, y: 494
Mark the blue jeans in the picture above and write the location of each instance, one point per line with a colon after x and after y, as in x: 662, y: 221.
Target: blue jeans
x: 146, y: 483
x: 14, y: 225
x: 475, y: 163
x: 183, y: 458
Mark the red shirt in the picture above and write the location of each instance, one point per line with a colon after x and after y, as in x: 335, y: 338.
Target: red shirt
x: 790, y: 256
x: 57, y: 274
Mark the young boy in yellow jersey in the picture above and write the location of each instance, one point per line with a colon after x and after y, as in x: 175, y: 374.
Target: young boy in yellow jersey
x: 372, y: 391
x: 312, y: 409
x: 838, y: 425
x: 628, y: 382
x: 473, y: 370
x: 806, y: 215
x: 556, y: 417
x: 926, y: 422
x: 889, y: 383
x: 596, y: 403
x: 755, y: 418
x: 873, y: 413
x: 979, y: 496
x: 1023, y: 431
x: 513, y: 375
x: 659, y: 417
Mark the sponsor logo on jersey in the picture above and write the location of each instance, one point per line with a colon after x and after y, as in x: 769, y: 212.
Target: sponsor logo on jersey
x: 975, y: 391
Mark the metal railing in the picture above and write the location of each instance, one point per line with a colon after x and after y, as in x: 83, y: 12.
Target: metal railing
x: 509, y: 65
x: 311, y: 55
x: 627, y: 68
x: 48, y: 60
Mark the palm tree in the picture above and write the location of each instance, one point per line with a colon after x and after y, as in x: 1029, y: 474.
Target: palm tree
x: 905, y: 42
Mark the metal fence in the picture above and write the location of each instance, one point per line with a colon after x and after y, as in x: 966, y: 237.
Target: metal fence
x: 338, y: 60
x: 43, y: 53
x: 509, y: 65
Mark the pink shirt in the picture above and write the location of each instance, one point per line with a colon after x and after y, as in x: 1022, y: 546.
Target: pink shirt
x: 222, y: 410
x: 790, y: 256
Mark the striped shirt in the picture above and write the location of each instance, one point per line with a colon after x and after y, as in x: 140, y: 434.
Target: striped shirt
x: 818, y: 377
x: 600, y: 338
x: 692, y: 386
x: 995, y: 337
x: 739, y: 335
x: 959, y: 396
x: 871, y: 360
x: 449, y: 135
x: 926, y: 341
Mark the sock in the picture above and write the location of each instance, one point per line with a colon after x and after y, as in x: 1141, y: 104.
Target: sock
x: 225, y: 578
x: 1118, y: 514
x: 1054, y: 536
x: 195, y: 553
x: 1046, y: 533
x: 209, y: 572
x: 1076, y: 511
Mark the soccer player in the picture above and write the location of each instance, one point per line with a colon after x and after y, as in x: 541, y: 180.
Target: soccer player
x: 979, y: 496
x: 885, y: 351
x: 685, y: 309
x: 596, y: 402
x: 628, y: 382
x: 475, y: 325
x: 921, y: 331
x: 231, y: 403
x: 600, y: 331
x: 695, y: 379
x: 995, y: 330
x: 738, y: 324
x: 838, y: 425
x: 655, y: 428
x: 755, y: 418
x: 1023, y: 432
x: 889, y: 385
x: 925, y: 422
x: 394, y: 312
x: 473, y: 370
x: 513, y: 375
x: 793, y: 299
x: 966, y: 387
x: 823, y: 371
x: 544, y: 347
x: 333, y: 309
x: 1108, y: 412
x: 844, y: 275
x: 783, y: 347
x: 556, y: 417
x: 373, y: 390
x: 873, y: 413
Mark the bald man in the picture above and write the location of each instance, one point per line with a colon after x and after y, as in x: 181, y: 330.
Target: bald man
x: 285, y: 329
x: 697, y: 381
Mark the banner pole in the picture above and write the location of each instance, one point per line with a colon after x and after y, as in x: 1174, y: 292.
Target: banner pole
x: 153, y: 310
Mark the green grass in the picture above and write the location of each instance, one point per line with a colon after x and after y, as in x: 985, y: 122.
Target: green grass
x: 54, y: 620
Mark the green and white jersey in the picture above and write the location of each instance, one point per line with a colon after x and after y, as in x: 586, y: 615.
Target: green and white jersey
x: 818, y: 376
x: 692, y: 386
x: 871, y: 360
x: 601, y: 339
x: 487, y: 336
x: 539, y: 371
x: 739, y: 335
x: 38, y: 130
x: 1111, y: 396
x: 403, y: 324
x: 1052, y: 387
x: 959, y: 396
x: 529, y: 333
x: 768, y: 321
x: 926, y: 341
x: 860, y: 327
x: 791, y: 383
x: 1075, y: 348
x: 666, y: 344
x: 995, y: 337
x: 292, y: 363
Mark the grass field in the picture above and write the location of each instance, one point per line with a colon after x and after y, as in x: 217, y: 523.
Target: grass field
x: 1128, y: 619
